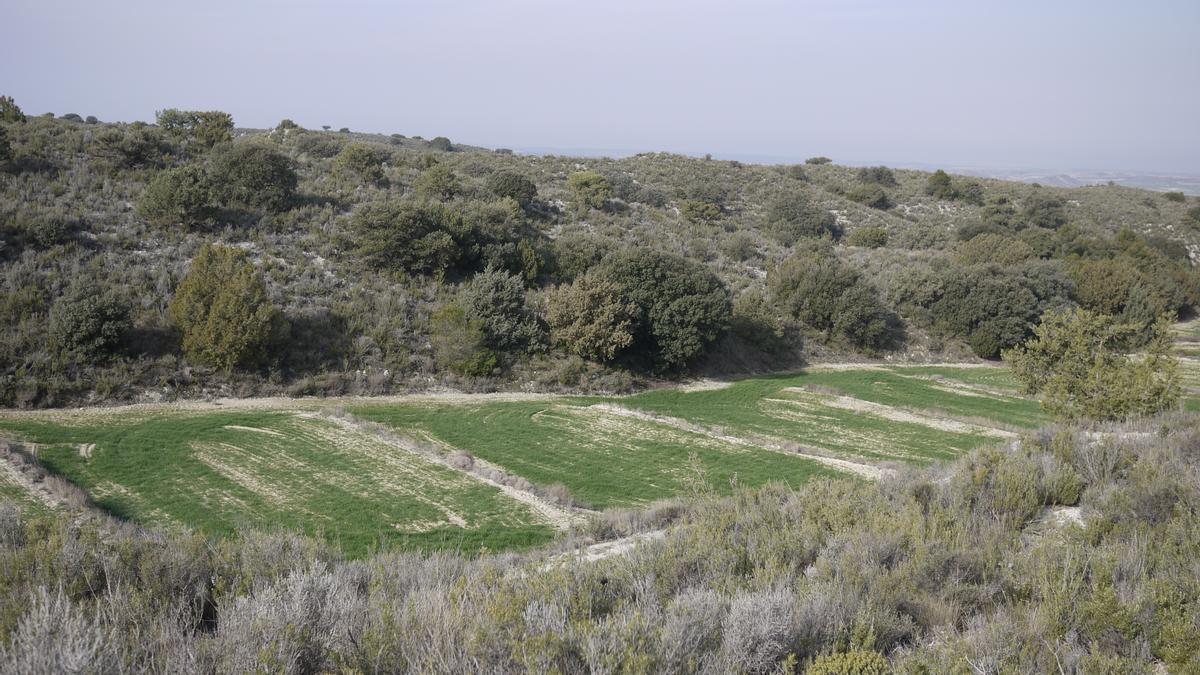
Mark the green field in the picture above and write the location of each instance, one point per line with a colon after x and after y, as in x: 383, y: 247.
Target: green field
x: 292, y: 467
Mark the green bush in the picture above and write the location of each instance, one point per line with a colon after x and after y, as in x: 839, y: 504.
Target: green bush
x: 1175, y: 196
x: 809, y: 285
x: 877, y: 175
x: 993, y: 248
x: 792, y: 216
x: 319, y: 145
x: 591, y: 318
x: 196, y: 129
x: 590, y: 189
x: 436, y: 183
x: 360, y: 161
x: 183, y: 195
x: 940, y: 186
x: 88, y: 323
x: 514, y: 186
x: 407, y: 237
x: 870, y: 194
x: 700, y: 212
x: 496, y: 299
x: 10, y: 111
x: 441, y: 143
x: 682, y: 306
x: 1042, y: 210
x: 868, y: 237
x: 222, y: 311
x: 131, y: 147
x: 1079, y: 362
x: 817, y: 161
x: 458, y: 342
x: 253, y: 176
x: 859, y: 662
x: 6, y: 153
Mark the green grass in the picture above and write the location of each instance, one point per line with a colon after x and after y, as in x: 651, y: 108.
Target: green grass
x: 300, y: 473
x: 603, y: 459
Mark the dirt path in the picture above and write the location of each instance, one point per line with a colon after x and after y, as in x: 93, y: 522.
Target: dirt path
x: 605, y: 549
x: 868, y: 471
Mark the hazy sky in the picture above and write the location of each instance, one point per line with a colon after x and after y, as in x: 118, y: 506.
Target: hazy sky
x: 1002, y: 83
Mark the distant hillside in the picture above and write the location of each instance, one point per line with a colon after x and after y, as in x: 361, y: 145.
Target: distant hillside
x: 359, y: 263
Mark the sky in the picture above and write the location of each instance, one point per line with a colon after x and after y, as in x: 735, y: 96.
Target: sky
x: 1059, y: 84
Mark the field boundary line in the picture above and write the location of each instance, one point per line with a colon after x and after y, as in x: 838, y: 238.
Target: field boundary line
x: 560, y: 517
x: 869, y: 471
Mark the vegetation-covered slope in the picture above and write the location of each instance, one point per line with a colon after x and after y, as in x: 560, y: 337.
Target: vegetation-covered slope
x: 354, y: 263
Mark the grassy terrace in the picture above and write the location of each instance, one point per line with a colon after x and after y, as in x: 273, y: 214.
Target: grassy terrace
x: 218, y: 470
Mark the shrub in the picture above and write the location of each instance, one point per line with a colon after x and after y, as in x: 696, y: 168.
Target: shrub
x: 496, y: 299
x: 757, y: 631
x: 755, y: 321
x: 88, y: 323
x: 458, y: 342
x: 860, y: 662
x: 407, y: 237
x: 878, y: 175
x: 940, y: 186
x: 436, y: 183
x: 817, y: 160
x: 808, y: 287
x: 862, y: 319
x: 182, y: 195
x: 682, y: 307
x: 132, y: 147
x: 1175, y: 197
x: 441, y: 143
x: 222, y: 311
x: 319, y: 145
x: 590, y: 189
x: 1042, y: 210
x: 6, y: 153
x: 974, y: 296
x: 993, y: 248
x: 868, y: 237
x: 872, y: 195
x: 591, y: 318
x: 514, y: 186
x: 252, y: 175
x: 700, y: 212
x: 360, y: 161
x: 1078, y: 362
x: 791, y: 217
x: 196, y: 129
x: 10, y: 111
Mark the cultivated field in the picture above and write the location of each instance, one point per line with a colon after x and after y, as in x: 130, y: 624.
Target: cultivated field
x: 472, y: 472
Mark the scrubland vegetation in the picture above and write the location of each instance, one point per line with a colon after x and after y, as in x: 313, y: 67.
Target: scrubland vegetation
x: 1073, y: 551
x: 368, y: 264
x: 859, y: 492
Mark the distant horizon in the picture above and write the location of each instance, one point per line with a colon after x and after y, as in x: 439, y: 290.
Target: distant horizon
x: 1101, y: 84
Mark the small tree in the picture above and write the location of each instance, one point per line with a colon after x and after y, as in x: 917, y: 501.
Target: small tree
x: 940, y: 186
x: 407, y: 237
x: 6, y: 153
x: 253, y: 175
x: 872, y: 195
x: 441, y: 143
x: 222, y: 311
x: 591, y: 190
x: 877, y: 175
x: 181, y: 195
x: 514, y: 186
x: 700, y: 212
x: 458, y: 342
x: 591, y: 318
x: 993, y: 248
x: 496, y: 299
x: 682, y: 307
x: 817, y: 161
x: 868, y: 237
x: 1079, y: 362
x: 791, y: 216
x: 360, y: 161
x: 88, y: 323
x: 1043, y: 210
x: 10, y: 111
x: 437, y: 183
x: 202, y: 130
